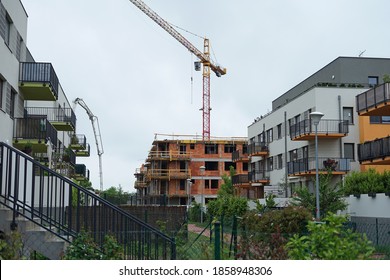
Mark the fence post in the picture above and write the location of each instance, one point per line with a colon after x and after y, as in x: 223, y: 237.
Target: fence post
x: 217, y: 240
x: 234, y: 233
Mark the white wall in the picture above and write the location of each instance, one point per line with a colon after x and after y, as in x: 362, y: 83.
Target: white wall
x: 366, y: 206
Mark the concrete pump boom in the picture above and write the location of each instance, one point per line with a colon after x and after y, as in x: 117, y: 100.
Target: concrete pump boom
x: 96, y: 131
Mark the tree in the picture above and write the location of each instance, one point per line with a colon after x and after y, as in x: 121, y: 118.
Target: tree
x: 227, y: 204
x: 329, y: 241
x: 115, y: 195
x: 331, y: 197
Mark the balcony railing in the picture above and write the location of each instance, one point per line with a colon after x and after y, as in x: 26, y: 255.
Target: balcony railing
x: 81, y: 173
x: 240, y: 179
x: 63, y: 119
x: 84, y: 152
x: 169, y: 155
x: 372, y: 99
x: 377, y: 149
x: 305, y: 130
x: 34, y: 129
x: 308, y: 165
x: 258, y: 149
x: 168, y: 174
x: 239, y: 155
x: 259, y: 176
x: 43, y: 73
x: 78, y: 142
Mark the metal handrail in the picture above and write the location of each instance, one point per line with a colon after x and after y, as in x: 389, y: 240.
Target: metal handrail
x: 65, y: 209
x: 373, y: 97
x: 324, y: 163
x: 375, y: 149
x: 325, y: 126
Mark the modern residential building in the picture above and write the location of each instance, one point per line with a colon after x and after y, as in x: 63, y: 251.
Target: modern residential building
x: 373, y: 107
x: 281, y: 144
x: 35, y: 114
x: 182, y: 168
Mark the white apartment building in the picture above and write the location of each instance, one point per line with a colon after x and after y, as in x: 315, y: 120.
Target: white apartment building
x: 286, y: 135
x: 35, y: 113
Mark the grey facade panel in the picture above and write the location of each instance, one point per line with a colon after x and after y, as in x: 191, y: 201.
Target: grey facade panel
x: 347, y: 70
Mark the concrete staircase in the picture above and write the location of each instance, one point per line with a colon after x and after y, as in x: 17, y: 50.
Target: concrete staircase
x: 34, y: 237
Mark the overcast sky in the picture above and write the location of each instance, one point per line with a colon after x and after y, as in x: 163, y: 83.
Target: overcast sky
x: 137, y: 78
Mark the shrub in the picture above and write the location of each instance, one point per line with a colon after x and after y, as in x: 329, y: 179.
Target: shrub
x: 329, y: 241
x: 265, y: 235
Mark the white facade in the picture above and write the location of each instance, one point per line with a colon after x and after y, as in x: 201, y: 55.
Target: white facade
x: 333, y: 102
x: 12, y: 50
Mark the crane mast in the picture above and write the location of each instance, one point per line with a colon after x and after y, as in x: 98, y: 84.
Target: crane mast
x: 96, y: 131
x: 204, y: 58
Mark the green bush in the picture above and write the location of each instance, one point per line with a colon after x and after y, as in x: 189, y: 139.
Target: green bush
x: 365, y: 182
x: 265, y: 235
x: 329, y: 241
x: 84, y: 248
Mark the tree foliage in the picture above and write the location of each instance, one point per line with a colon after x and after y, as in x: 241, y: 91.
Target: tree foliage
x: 365, y: 182
x: 331, y: 197
x: 115, y: 195
x: 329, y: 241
x: 84, y: 248
x: 227, y: 204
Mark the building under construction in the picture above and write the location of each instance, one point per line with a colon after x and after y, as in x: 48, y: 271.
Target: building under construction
x: 183, y: 168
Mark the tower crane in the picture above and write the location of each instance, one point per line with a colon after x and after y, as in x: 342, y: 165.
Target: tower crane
x: 204, y: 58
x: 96, y: 131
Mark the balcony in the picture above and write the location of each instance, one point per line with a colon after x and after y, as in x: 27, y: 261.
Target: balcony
x: 259, y: 176
x: 258, y: 149
x: 240, y: 156
x: 78, y: 142
x: 374, y: 102
x: 168, y: 155
x: 63, y: 119
x: 38, y: 81
x: 84, y: 152
x: 305, y: 130
x: 81, y: 173
x: 307, y: 166
x: 241, y: 180
x: 34, y: 132
x: 168, y: 174
x: 375, y: 152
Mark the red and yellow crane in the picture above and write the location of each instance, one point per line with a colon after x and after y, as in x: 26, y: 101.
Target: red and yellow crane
x: 204, y: 58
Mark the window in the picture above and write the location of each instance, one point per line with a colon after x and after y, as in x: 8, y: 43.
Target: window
x: 279, y: 128
x: 228, y: 164
x: 8, y: 24
x: 229, y: 148
x: 211, y: 149
x: 214, y: 184
x: 372, y: 80
x: 1, y: 93
x: 293, y: 155
x: 270, y: 163
x: 348, y: 114
x: 349, y: 150
x: 183, y: 148
x: 211, y: 165
x: 270, y: 136
x: 245, y: 149
x: 280, y: 161
x: 380, y: 119
x: 260, y: 138
x: 182, y: 185
x: 192, y: 146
